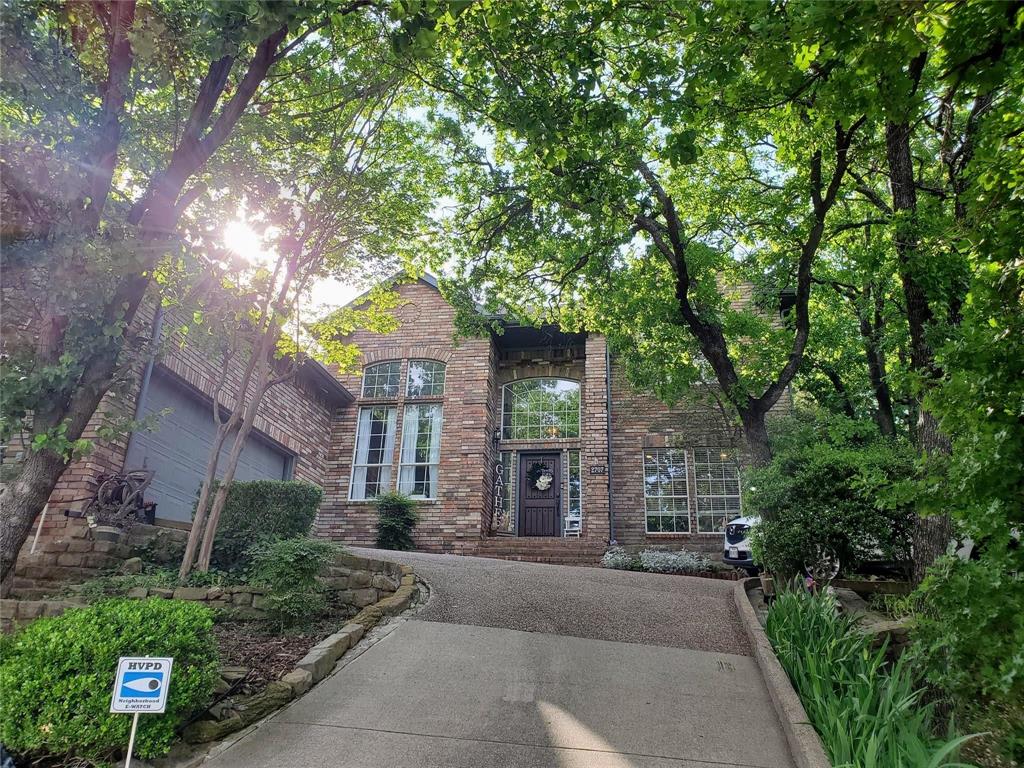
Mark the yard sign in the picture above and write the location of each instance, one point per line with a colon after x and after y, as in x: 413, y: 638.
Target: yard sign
x: 140, y: 686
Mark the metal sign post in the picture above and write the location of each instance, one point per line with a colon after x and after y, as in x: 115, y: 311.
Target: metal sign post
x: 141, y: 685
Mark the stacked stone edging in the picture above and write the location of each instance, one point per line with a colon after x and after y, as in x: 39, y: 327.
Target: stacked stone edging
x: 311, y: 669
x: 353, y: 580
x: 68, y: 553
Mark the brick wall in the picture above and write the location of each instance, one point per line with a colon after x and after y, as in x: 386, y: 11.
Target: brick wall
x: 452, y: 522
x: 640, y: 421
x: 293, y: 414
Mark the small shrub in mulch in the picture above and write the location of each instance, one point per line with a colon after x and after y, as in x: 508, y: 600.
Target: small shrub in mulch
x: 56, y: 676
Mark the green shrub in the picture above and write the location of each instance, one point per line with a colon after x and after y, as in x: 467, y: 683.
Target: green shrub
x: 258, y: 510
x: 830, y: 487
x: 289, y: 569
x: 656, y: 561
x: 867, y: 714
x: 396, y: 518
x: 620, y: 559
x: 969, y: 633
x: 57, y: 675
x: 117, y: 584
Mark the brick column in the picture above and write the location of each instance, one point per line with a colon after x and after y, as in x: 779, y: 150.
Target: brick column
x: 594, y: 441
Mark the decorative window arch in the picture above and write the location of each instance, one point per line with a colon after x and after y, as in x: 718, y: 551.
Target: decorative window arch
x: 540, y: 409
x: 425, y: 378
x: 382, y: 379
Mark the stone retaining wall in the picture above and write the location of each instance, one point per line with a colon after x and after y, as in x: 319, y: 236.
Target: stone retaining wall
x: 234, y: 713
x: 352, y: 580
x: 67, y: 553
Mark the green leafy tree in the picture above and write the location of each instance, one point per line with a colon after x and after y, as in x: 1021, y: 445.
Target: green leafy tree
x: 647, y: 162
x: 110, y: 113
x: 345, y: 194
x: 116, y: 119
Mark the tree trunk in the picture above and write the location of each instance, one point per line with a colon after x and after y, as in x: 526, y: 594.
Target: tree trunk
x: 907, y: 240
x: 932, y: 533
x: 840, y: 389
x: 755, y: 432
x: 871, y: 331
x: 20, y: 503
x: 220, y: 498
x: 932, y: 536
x: 198, y: 522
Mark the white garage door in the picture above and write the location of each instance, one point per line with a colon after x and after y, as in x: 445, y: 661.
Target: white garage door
x: 177, y: 450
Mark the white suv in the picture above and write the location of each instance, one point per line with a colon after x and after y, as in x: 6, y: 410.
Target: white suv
x: 737, y: 544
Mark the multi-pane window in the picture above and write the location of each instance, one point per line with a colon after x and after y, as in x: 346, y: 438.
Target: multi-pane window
x: 665, y: 494
x: 425, y: 379
x: 421, y: 451
x: 540, y: 409
x: 505, y: 514
x: 574, y: 497
x: 375, y: 447
x: 718, y: 488
x: 381, y: 380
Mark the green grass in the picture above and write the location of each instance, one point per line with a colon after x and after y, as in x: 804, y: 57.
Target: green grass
x: 868, y: 713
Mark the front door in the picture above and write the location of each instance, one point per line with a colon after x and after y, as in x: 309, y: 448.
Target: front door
x: 540, y: 494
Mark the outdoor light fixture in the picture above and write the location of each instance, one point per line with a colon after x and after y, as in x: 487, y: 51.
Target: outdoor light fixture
x: 496, y: 436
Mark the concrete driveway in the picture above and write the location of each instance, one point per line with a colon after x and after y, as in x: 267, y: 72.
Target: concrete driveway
x: 518, y: 664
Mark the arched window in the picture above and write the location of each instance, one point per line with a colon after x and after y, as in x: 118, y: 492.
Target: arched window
x: 540, y: 409
x: 381, y: 379
x: 425, y: 379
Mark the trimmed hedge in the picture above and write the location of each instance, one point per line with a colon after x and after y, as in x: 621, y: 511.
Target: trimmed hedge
x: 262, y: 510
x: 57, y: 675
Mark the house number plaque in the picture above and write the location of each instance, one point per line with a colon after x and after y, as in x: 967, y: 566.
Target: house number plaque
x: 599, y: 469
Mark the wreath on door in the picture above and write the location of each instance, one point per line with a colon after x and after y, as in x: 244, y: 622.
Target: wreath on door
x: 540, y: 476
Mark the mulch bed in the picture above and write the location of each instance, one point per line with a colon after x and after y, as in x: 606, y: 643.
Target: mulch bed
x: 266, y: 654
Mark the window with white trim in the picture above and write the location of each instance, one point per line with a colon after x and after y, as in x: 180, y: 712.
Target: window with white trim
x: 421, y: 451
x: 718, y: 488
x: 375, y: 448
x: 381, y: 379
x: 665, y: 491
x: 425, y: 379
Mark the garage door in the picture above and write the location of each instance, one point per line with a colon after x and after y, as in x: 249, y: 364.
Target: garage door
x: 177, y: 450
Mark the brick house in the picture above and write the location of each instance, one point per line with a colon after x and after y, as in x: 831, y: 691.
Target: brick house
x: 529, y: 443
x: 290, y: 440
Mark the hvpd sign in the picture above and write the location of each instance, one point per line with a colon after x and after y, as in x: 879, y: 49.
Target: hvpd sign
x: 141, y: 685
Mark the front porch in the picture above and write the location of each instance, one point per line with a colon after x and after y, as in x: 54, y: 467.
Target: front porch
x: 549, y: 466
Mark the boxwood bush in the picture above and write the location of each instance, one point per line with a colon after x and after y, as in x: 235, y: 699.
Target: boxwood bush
x: 262, y: 510
x: 57, y: 676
